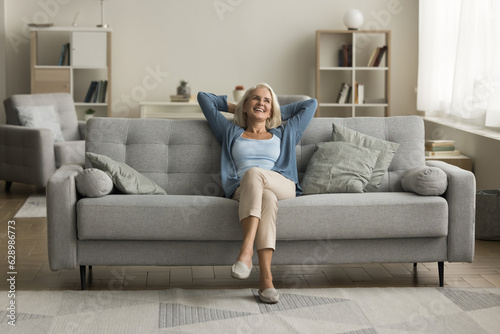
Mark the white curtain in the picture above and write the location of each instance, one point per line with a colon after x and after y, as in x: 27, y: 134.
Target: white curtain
x: 459, y: 59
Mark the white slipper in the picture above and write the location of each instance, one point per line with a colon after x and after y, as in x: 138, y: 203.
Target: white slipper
x: 240, y: 270
x: 269, y: 296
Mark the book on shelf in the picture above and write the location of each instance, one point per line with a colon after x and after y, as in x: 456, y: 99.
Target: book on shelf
x: 343, y: 94
x: 439, y: 142
x: 442, y: 153
x: 64, y: 57
x: 96, y: 92
x: 439, y: 145
x: 359, y: 97
x: 345, y: 56
x: 377, y: 55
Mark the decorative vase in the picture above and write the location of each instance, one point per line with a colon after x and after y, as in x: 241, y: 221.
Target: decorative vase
x: 238, y: 95
x: 184, y: 90
x: 88, y: 116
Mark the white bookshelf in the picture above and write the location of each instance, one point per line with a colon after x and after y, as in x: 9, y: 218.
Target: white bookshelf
x: 330, y: 75
x: 89, y: 60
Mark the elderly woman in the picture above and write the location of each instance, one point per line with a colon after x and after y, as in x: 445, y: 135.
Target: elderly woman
x: 258, y: 168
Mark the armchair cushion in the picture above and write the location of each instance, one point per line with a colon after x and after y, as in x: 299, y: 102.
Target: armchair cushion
x: 426, y: 181
x: 93, y: 182
x: 125, y: 178
x: 41, y: 117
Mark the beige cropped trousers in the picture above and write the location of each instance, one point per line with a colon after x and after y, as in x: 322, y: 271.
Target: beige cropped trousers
x: 258, y: 194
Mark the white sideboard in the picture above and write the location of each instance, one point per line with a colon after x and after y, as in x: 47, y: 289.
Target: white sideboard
x: 173, y: 110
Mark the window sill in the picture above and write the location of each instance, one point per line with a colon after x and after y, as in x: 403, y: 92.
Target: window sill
x: 484, y: 132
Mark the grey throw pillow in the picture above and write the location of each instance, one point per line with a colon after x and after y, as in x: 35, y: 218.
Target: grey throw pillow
x: 337, y: 167
x: 44, y: 117
x: 387, y: 150
x: 125, y: 178
x: 426, y: 181
x: 93, y: 182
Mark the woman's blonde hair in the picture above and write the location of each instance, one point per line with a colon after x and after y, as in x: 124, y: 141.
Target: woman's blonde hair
x: 240, y: 118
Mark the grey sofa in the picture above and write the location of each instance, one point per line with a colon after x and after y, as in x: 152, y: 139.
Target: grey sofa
x: 195, y: 225
x: 29, y: 155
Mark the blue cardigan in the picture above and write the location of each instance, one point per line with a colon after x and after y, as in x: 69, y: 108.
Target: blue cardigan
x: 297, y: 116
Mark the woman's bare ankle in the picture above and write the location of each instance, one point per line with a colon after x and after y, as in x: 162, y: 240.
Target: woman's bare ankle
x: 266, y: 282
x: 246, y: 258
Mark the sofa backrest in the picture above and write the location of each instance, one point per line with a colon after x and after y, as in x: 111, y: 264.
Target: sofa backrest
x: 62, y: 102
x: 183, y: 157
x: 408, y: 131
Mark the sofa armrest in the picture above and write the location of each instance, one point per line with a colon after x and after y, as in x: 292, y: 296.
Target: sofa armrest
x: 26, y: 154
x: 461, y: 198
x: 61, y: 217
x: 81, y: 129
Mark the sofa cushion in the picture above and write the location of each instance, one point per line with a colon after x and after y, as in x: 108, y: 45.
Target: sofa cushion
x: 362, y: 216
x: 387, y: 150
x: 311, y: 217
x: 44, y: 117
x: 151, y: 217
x: 426, y: 181
x: 125, y: 178
x: 93, y: 182
x: 338, y: 167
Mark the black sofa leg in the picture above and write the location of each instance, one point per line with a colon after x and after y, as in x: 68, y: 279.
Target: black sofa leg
x: 441, y: 273
x: 83, y: 277
x: 8, y: 184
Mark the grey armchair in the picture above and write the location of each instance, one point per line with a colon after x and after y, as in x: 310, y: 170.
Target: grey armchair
x: 30, y: 155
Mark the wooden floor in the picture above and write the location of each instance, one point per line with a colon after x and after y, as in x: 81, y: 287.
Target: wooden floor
x: 33, y: 271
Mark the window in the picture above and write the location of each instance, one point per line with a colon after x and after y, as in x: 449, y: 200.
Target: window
x: 459, y: 60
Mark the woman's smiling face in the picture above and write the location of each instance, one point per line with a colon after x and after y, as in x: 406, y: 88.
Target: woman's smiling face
x: 259, y: 104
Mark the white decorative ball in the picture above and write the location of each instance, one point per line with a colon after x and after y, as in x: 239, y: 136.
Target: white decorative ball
x: 353, y: 19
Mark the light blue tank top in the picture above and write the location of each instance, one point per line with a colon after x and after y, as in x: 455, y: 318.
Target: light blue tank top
x: 249, y: 153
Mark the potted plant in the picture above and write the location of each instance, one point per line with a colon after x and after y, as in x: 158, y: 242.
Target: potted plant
x: 89, y: 113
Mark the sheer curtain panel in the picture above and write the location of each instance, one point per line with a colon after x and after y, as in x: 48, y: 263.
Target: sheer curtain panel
x: 459, y: 55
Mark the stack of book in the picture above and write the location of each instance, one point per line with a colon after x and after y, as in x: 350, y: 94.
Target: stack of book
x: 345, y: 56
x: 347, y: 90
x: 97, y: 92
x: 440, y: 148
x: 376, y: 57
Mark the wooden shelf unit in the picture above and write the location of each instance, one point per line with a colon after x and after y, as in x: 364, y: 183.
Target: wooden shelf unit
x: 330, y: 75
x: 90, y: 59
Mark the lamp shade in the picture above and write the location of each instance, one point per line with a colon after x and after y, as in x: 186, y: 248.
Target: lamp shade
x: 353, y: 19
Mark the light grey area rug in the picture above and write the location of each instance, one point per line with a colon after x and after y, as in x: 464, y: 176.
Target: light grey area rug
x: 346, y: 310
x: 34, y: 207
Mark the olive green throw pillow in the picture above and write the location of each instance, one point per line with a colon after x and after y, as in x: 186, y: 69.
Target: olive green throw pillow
x: 387, y: 150
x: 125, y: 178
x: 337, y: 167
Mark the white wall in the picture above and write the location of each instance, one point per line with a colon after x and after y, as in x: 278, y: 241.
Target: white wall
x: 215, y: 44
